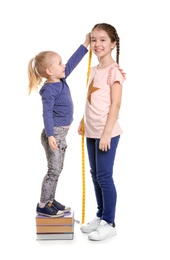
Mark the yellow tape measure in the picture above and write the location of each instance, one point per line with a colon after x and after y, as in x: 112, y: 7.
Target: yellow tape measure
x: 83, y: 174
x: 83, y: 153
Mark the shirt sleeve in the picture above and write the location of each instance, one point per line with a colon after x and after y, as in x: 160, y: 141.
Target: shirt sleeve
x: 75, y: 59
x: 48, y: 99
x: 116, y: 74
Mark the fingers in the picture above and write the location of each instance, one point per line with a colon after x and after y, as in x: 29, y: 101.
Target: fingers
x: 104, y: 147
x: 54, y: 146
x: 52, y: 143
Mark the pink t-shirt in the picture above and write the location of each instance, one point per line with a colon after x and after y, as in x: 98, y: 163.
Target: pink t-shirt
x: 98, y: 100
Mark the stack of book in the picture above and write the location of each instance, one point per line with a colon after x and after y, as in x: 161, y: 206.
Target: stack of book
x: 59, y: 228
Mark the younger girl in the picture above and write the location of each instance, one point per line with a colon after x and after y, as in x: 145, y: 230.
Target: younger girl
x: 57, y: 116
x: 102, y: 129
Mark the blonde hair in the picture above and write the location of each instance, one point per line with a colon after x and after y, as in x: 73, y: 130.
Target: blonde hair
x: 37, y: 69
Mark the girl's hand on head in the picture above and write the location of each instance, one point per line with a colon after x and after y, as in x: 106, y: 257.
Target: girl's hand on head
x: 52, y: 143
x: 88, y: 39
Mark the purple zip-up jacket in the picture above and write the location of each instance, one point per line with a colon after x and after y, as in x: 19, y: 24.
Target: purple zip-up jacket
x: 56, y: 97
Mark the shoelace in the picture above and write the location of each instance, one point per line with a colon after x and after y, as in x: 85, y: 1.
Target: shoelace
x: 99, y: 227
x: 94, y: 220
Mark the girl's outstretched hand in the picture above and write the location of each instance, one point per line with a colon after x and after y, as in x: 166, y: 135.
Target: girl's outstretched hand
x: 87, y: 41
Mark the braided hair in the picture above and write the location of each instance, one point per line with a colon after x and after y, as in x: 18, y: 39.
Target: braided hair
x: 112, y: 34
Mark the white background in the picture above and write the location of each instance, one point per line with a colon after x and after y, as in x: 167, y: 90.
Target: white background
x: 142, y: 168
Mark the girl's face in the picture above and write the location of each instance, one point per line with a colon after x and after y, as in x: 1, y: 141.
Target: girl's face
x: 101, y: 44
x: 56, y: 69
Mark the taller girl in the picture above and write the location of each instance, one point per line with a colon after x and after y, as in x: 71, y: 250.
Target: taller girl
x: 102, y: 130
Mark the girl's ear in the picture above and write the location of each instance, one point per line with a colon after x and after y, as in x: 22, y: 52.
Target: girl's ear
x: 48, y: 71
x: 113, y: 44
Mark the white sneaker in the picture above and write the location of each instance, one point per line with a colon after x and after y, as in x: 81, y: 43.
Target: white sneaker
x: 91, y: 226
x: 103, y: 231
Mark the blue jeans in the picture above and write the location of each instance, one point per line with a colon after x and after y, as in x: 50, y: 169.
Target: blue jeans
x: 101, y: 169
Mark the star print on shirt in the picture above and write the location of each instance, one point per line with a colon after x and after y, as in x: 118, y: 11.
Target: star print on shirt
x: 91, y: 89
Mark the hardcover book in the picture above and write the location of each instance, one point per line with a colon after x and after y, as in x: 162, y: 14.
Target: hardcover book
x: 54, y: 236
x: 55, y: 229
x: 67, y: 219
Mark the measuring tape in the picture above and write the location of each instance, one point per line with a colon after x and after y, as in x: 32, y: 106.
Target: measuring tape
x: 83, y: 174
x: 82, y: 149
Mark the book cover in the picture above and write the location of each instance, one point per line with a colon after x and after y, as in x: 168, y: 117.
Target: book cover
x: 67, y: 219
x: 54, y: 236
x: 55, y: 229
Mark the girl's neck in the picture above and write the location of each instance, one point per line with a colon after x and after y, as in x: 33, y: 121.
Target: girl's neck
x: 52, y: 80
x: 103, y: 63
